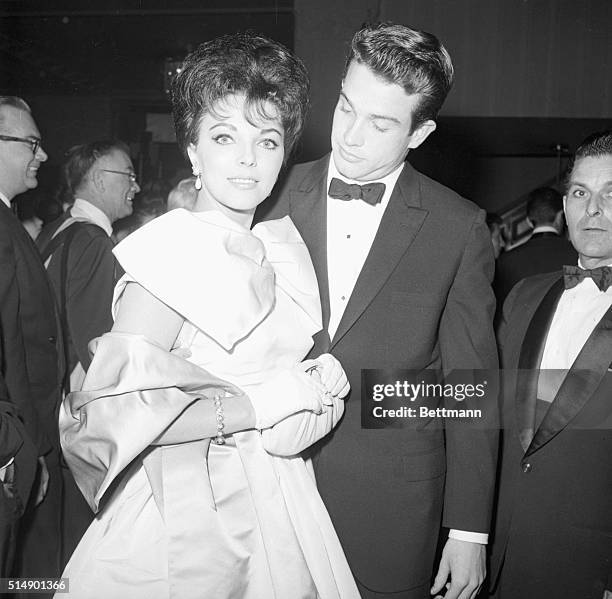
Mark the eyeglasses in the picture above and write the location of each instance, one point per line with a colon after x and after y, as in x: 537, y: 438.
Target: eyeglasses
x: 129, y: 174
x: 33, y: 141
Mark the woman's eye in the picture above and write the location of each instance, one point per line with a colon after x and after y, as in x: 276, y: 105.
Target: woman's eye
x: 379, y: 128
x: 268, y: 144
x: 578, y: 193
x: 222, y: 139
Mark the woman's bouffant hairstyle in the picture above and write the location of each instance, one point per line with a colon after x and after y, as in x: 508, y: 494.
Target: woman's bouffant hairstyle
x: 412, y: 59
x: 258, y: 67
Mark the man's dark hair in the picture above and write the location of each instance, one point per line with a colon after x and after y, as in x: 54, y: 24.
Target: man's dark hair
x: 543, y: 205
x: 80, y: 159
x: 243, y: 63
x: 596, y: 144
x: 414, y: 60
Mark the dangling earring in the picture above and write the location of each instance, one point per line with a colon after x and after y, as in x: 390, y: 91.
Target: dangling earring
x: 198, y: 176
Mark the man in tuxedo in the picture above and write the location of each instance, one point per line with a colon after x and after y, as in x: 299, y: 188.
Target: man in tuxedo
x: 553, y: 530
x: 78, y: 252
x: 28, y: 328
x: 546, y: 250
x: 404, y: 268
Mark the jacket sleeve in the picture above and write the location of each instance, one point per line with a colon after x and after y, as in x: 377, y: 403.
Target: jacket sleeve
x: 467, y: 342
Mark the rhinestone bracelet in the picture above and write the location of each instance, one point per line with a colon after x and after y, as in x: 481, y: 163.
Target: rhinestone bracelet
x: 219, y: 439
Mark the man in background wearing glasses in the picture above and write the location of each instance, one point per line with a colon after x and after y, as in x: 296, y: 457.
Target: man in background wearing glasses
x: 77, y: 251
x: 29, y: 366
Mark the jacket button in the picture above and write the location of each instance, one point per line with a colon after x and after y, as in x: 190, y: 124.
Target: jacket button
x: 51, y: 339
x: 526, y: 467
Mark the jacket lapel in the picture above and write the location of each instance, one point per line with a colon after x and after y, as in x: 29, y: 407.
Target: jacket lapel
x: 581, y: 382
x: 529, y: 363
x: 398, y: 228
x: 308, y: 211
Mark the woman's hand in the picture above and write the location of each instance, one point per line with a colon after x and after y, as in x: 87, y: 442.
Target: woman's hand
x: 285, y: 393
x: 331, y: 374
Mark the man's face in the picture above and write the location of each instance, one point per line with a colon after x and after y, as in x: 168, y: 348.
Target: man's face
x: 118, y: 188
x: 18, y: 165
x: 588, y: 210
x: 372, y: 128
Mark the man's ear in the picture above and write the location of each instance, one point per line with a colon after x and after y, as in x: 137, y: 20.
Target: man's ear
x: 97, y: 178
x: 421, y: 133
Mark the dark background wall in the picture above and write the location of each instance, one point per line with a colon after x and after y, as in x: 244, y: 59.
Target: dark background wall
x: 532, y: 76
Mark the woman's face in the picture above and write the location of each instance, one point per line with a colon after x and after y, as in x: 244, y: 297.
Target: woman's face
x: 239, y: 161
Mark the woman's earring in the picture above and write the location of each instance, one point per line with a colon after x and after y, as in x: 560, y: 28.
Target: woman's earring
x: 198, y: 176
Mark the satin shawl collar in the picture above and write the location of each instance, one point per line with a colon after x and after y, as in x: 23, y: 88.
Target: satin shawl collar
x: 205, y: 266
x: 581, y: 382
x: 529, y: 363
x: 289, y: 257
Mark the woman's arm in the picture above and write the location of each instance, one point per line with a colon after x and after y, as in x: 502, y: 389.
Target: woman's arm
x: 141, y: 313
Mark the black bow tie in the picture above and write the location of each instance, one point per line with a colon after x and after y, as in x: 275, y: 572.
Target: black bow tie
x: 602, y: 276
x: 371, y: 193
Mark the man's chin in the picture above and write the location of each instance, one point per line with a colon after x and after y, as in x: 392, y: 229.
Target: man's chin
x: 350, y: 171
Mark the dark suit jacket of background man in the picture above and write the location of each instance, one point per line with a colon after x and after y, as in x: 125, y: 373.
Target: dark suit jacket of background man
x: 32, y: 375
x: 422, y: 300
x: 555, y: 497
x: 541, y: 253
x: 91, y: 274
x: 91, y: 277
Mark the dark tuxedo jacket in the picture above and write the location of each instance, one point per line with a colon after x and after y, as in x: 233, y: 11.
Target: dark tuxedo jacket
x: 543, y: 252
x: 553, y: 529
x: 422, y: 300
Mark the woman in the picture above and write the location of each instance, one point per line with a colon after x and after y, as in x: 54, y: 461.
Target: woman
x: 201, y: 488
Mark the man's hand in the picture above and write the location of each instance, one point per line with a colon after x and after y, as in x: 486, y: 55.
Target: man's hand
x: 44, y: 480
x: 464, y: 562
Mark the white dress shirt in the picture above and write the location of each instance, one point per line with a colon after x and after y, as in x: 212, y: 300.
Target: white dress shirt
x: 578, y: 312
x: 545, y: 229
x: 351, y: 229
x: 5, y: 199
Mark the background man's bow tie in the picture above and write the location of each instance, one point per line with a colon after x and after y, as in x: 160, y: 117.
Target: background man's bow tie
x: 371, y: 193
x: 602, y: 276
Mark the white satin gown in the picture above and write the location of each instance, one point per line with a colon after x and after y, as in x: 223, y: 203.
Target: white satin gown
x: 198, y: 520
